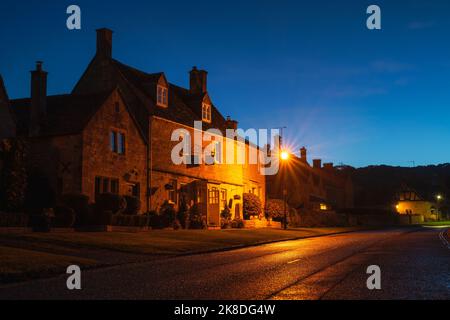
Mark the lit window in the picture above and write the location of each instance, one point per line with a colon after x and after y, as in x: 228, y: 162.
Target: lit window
x: 206, y: 112
x: 223, y: 198
x: 162, y: 96
x: 213, y: 196
x: 323, y: 207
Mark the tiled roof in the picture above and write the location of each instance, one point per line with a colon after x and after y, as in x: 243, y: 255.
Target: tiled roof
x: 66, y: 114
x: 183, y: 106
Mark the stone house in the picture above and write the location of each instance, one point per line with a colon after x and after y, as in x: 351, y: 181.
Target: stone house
x: 113, y: 133
x: 311, y: 188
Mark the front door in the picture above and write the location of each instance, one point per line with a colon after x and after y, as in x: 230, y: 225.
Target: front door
x: 213, y: 207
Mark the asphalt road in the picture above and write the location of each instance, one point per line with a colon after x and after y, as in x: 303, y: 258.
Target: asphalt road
x: 415, y: 264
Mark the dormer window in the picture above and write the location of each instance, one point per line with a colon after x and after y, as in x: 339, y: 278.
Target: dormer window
x: 206, y: 112
x: 162, y: 96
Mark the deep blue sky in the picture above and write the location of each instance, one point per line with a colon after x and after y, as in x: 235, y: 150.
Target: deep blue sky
x: 350, y: 95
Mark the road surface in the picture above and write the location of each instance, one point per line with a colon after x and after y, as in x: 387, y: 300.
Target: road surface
x: 415, y: 264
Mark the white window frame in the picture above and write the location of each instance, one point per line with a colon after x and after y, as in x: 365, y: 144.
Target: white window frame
x: 162, y: 96
x: 206, y: 112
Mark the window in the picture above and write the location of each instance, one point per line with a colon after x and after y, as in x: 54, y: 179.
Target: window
x: 117, y: 142
x: 173, y: 191
x: 199, y: 195
x: 115, y: 186
x: 117, y: 107
x: 121, y: 143
x: 213, y: 196
x: 223, y: 198
x: 113, y: 141
x: 162, y: 96
x: 206, y: 112
x: 106, y: 185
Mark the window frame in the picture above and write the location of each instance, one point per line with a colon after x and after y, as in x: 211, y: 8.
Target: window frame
x: 206, y: 112
x: 162, y: 96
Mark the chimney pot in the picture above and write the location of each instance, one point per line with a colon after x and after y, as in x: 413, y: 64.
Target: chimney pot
x: 303, y: 154
x: 198, y: 80
x: 317, y: 163
x: 104, y: 43
x: 38, y: 107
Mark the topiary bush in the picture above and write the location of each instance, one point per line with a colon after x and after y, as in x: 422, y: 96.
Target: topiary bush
x: 15, y: 220
x: 123, y: 220
x: 275, y: 209
x: 196, y: 219
x: 252, y: 205
x: 133, y: 205
x: 64, y: 217
x: 110, y: 202
x: 79, y: 203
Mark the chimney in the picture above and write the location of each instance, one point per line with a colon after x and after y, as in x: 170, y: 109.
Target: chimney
x: 303, y: 154
x: 328, y: 166
x: 104, y: 43
x: 317, y: 163
x: 198, y: 80
x: 231, y: 124
x: 38, y: 106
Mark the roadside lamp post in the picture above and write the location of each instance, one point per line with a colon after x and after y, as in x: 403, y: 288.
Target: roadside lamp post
x: 284, y: 158
x: 439, y: 199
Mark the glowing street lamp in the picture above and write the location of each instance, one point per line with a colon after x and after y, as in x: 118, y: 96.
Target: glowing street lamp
x: 284, y: 155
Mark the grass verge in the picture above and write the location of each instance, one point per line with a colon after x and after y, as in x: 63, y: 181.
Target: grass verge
x: 20, y: 264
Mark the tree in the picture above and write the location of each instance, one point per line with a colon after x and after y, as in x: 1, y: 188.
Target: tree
x: 13, y: 174
x: 252, y: 205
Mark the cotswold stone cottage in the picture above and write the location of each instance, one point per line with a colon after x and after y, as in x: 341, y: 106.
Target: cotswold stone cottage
x: 112, y: 133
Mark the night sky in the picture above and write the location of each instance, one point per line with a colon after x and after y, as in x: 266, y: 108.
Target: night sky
x: 350, y: 95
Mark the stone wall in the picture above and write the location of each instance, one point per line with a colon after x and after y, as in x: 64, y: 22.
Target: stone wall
x: 98, y: 158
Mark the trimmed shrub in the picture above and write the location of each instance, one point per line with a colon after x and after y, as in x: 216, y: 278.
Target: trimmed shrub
x: 196, y: 219
x: 133, y: 205
x: 79, y: 203
x: 39, y: 194
x: 64, y: 217
x: 237, y: 224
x: 123, y: 220
x: 155, y: 220
x: 41, y: 222
x: 110, y: 202
x: 13, y: 220
x: 183, y: 215
x: 102, y: 218
x: 168, y: 214
x: 225, y: 223
x: 275, y: 209
x: 252, y: 205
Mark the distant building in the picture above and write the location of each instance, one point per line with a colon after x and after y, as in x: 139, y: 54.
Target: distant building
x: 311, y: 188
x: 112, y: 133
x: 409, y: 202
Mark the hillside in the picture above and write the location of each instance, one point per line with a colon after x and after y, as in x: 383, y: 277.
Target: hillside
x: 377, y: 185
